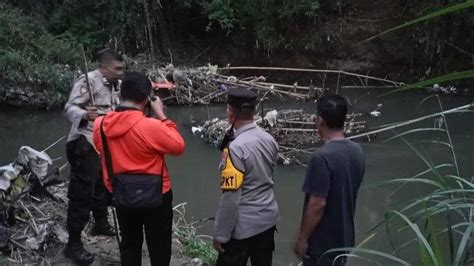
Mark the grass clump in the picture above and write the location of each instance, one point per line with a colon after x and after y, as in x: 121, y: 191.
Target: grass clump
x: 194, y: 246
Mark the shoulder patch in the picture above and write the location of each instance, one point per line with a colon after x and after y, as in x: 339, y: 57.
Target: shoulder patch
x: 83, y: 90
x: 231, y: 177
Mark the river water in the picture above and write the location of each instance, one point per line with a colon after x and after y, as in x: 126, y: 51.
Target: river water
x: 195, y: 176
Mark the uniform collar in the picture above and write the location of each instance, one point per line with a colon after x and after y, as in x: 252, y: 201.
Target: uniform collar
x: 244, y: 128
x: 98, y: 73
x: 122, y: 108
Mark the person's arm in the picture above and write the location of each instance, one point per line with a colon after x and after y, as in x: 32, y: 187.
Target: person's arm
x: 316, y: 186
x: 226, y: 218
x: 75, y: 108
x: 232, y: 177
x: 311, y: 217
x: 166, y: 137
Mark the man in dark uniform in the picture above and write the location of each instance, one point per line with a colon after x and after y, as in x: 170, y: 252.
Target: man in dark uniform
x: 89, y: 98
x: 248, y: 210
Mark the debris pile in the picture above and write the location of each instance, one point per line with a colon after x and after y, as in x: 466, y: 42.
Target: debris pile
x: 32, y: 209
x: 294, y: 130
x: 204, y: 85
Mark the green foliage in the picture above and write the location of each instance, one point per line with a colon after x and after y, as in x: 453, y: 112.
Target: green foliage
x: 94, y: 23
x: 195, y: 246
x: 270, y: 23
x: 32, y: 58
x: 450, y: 197
x: 202, y: 249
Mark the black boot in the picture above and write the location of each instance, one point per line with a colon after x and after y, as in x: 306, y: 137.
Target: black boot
x: 103, y: 229
x: 76, y: 252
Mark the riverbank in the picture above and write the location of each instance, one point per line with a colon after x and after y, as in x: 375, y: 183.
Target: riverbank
x: 40, y: 53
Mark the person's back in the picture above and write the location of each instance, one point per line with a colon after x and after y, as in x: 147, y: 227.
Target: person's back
x: 332, y: 181
x: 343, y: 162
x: 245, y: 221
x: 140, y: 142
x: 137, y: 146
x: 260, y: 151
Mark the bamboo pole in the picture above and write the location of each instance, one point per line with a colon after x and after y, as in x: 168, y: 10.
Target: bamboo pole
x: 369, y: 87
x: 53, y: 144
x: 288, y: 86
x: 310, y: 70
x: 294, y: 149
x: 293, y: 94
x: 409, y: 122
x: 264, y: 83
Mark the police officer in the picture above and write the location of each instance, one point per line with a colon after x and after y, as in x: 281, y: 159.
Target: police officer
x: 247, y: 215
x: 89, y: 98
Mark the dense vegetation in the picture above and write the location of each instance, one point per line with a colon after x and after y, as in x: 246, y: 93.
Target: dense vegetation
x: 39, y: 39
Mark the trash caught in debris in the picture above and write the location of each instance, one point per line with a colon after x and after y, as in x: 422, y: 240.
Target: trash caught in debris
x: 204, y: 85
x: 32, y: 209
x: 294, y: 130
x: 375, y: 113
x: 436, y: 88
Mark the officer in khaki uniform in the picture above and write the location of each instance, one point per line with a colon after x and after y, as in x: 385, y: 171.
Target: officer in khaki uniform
x: 86, y: 189
x: 245, y: 222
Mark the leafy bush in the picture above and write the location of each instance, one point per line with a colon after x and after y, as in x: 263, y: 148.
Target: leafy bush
x: 33, y: 63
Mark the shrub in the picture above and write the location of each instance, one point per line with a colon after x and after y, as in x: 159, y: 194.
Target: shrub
x: 36, y: 67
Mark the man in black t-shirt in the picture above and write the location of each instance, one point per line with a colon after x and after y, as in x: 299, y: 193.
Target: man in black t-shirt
x: 332, y: 181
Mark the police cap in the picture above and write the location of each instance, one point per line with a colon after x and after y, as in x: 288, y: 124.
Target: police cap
x: 241, y: 98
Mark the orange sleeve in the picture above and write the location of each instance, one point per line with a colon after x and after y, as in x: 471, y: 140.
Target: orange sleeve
x: 164, y: 136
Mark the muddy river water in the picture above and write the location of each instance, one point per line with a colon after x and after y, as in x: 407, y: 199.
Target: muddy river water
x: 195, y: 176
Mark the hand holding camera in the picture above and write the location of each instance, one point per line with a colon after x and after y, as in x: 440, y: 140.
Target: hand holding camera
x: 157, y: 107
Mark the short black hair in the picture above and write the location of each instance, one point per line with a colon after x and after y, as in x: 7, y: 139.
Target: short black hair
x: 107, y: 55
x: 333, y: 109
x: 135, y: 87
x: 245, y: 113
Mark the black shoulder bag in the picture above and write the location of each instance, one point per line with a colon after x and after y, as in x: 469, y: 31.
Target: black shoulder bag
x: 133, y: 191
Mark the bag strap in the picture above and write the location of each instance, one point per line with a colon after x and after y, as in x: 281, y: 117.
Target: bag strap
x: 107, y: 155
x: 108, y: 158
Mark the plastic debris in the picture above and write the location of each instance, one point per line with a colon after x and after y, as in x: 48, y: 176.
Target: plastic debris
x: 196, y: 130
x: 8, y: 173
x: 271, y: 117
x: 375, y: 113
x: 46, y: 231
x: 38, y: 161
x: 31, y: 212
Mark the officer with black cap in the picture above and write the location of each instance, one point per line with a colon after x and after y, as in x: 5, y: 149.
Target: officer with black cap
x: 247, y: 215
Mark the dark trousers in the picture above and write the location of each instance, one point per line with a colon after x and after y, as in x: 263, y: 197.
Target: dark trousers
x: 158, y: 225
x: 86, y: 191
x: 258, y: 248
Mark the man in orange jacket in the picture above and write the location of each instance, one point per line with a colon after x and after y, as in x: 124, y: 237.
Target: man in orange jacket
x: 138, y: 144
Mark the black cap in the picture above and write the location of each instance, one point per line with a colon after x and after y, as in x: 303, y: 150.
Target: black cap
x: 241, y: 98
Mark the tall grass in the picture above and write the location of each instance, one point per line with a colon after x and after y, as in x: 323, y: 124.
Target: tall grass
x: 445, y: 211
x: 186, y: 235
